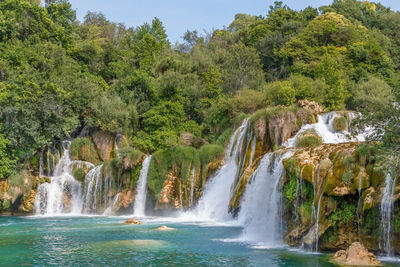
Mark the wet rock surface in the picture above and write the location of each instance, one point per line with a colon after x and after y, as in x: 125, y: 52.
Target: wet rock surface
x: 356, y: 255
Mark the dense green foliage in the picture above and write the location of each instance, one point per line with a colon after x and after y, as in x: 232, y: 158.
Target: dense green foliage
x: 58, y: 75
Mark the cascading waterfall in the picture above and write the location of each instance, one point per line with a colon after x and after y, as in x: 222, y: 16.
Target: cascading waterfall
x: 192, y: 187
x: 110, y: 209
x: 41, y: 174
x: 116, y: 143
x: 93, y: 188
x: 387, y: 214
x: 260, y: 210
x: 63, y: 193
x: 299, y: 192
x: 325, y: 130
x: 139, y: 205
x: 359, y: 206
x: 213, y: 205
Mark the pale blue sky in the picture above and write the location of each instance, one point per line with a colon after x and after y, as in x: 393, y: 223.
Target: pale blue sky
x: 181, y: 15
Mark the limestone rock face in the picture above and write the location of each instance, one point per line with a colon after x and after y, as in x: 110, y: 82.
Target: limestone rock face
x: 281, y: 127
x: 311, y: 106
x: 125, y: 199
x: 356, y: 255
x: 166, y: 194
x: 104, y: 142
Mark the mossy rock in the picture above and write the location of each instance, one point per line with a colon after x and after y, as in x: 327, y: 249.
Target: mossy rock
x: 79, y: 174
x: 44, y: 180
x: 308, y: 138
x: 340, y: 124
x: 84, y: 149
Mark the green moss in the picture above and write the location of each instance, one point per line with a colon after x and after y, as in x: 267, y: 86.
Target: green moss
x: 135, y: 173
x: 266, y: 113
x: 340, y: 124
x: 79, y: 174
x: 371, y: 222
x: 330, y: 234
x: 396, y: 227
x: 344, y: 213
x: 289, y: 189
x: 84, y: 149
x: 308, y: 139
x: 347, y: 177
x: 133, y: 155
x: 35, y: 161
x: 180, y: 160
x: 5, y: 204
x: 223, y: 139
x: 16, y: 179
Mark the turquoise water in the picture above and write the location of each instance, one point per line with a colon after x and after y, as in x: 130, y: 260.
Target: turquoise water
x: 38, y: 241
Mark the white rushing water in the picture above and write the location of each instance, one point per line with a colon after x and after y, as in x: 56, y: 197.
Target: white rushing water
x: 93, y: 188
x: 192, y: 187
x: 387, y: 215
x: 324, y: 128
x: 260, y: 210
x: 139, y: 205
x: 63, y: 194
x: 213, y: 205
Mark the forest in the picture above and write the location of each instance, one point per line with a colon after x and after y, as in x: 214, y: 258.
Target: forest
x: 59, y: 76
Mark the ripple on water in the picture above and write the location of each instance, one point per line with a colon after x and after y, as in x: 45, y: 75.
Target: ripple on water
x: 137, y: 244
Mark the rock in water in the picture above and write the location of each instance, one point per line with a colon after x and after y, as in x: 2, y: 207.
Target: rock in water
x: 356, y: 255
x: 132, y: 221
x: 165, y: 228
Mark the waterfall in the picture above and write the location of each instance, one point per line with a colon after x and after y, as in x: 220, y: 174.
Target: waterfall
x: 359, y: 206
x: 116, y: 143
x: 110, y: 209
x: 63, y: 193
x: 387, y: 214
x: 48, y: 164
x: 213, y: 205
x: 325, y: 130
x: 260, y: 210
x: 139, y: 205
x: 41, y: 174
x: 299, y: 192
x: 192, y: 187
x: 93, y: 188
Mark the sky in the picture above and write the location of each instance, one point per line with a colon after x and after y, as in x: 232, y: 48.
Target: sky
x: 181, y: 15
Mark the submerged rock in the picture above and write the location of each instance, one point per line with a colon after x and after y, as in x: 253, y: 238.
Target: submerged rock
x: 165, y: 228
x: 356, y: 255
x: 132, y: 221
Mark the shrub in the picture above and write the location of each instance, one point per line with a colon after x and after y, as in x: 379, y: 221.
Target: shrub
x: 281, y: 93
x: 308, y: 139
x: 83, y: 149
x: 247, y: 101
x: 340, y: 124
x: 289, y: 190
x: 79, y: 174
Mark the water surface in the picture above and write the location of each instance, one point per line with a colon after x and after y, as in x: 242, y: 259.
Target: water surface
x: 67, y: 241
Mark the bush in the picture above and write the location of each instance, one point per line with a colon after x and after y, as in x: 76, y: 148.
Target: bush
x: 308, y: 139
x: 281, y: 93
x: 79, y: 174
x: 83, y: 149
x: 247, y: 101
x: 111, y: 114
x: 340, y: 124
x: 210, y: 152
x: 180, y: 159
x: 289, y: 189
